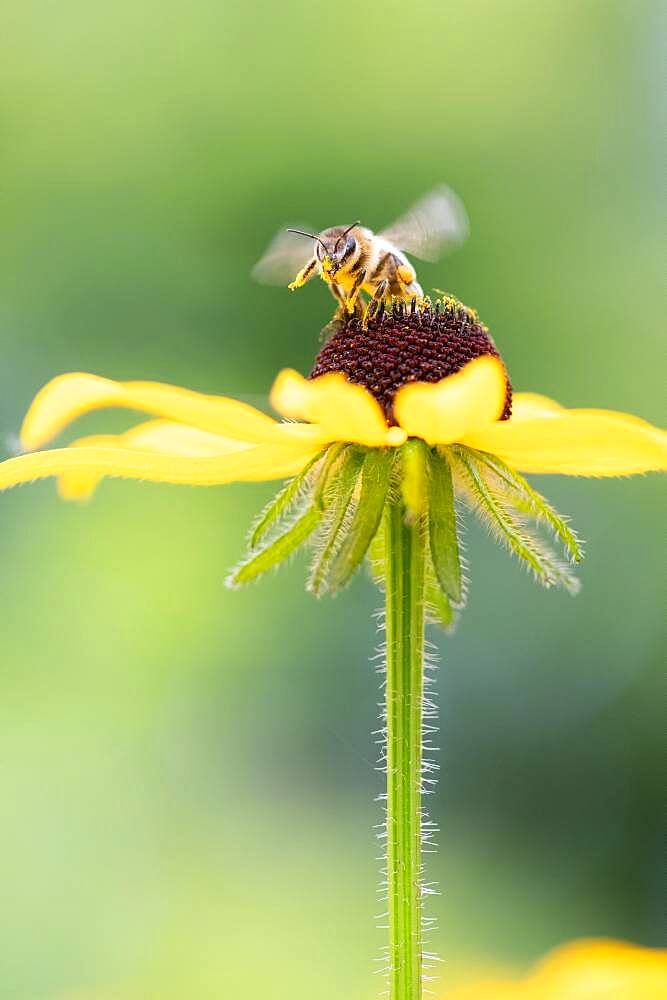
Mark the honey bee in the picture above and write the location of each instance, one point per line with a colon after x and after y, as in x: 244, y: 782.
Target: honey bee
x: 353, y: 259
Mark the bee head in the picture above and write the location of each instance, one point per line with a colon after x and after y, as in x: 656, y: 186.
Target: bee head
x: 342, y: 246
x: 333, y: 248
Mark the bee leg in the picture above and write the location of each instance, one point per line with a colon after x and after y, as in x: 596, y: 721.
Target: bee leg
x: 413, y: 290
x: 405, y: 274
x: 378, y: 296
x: 354, y: 294
x: 304, y: 275
x: 408, y: 286
x: 337, y: 293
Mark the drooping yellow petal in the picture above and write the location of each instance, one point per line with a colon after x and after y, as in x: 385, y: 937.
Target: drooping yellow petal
x: 260, y: 462
x: 575, y: 443
x: 443, y: 412
x: 343, y: 410
x: 179, y: 439
x: 153, y: 435
x: 70, y: 396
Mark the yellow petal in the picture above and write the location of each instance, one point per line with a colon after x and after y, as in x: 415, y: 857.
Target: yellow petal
x: 153, y: 435
x: 598, y: 969
x: 260, y: 462
x: 70, y: 396
x: 344, y: 411
x: 575, y: 443
x: 443, y: 412
x: 582, y: 970
x: 531, y: 404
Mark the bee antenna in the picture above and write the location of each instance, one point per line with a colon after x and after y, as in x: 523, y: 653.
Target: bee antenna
x: 300, y: 232
x: 344, y: 234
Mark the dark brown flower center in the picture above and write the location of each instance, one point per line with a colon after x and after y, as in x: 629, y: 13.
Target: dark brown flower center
x: 407, y: 343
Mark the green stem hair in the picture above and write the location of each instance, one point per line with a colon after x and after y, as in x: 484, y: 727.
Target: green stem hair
x: 404, y: 622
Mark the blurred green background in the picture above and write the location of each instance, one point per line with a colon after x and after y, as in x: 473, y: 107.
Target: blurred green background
x: 187, y: 773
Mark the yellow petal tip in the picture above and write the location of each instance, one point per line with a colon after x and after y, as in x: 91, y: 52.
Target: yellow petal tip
x: 443, y: 412
x: 342, y: 410
x: 289, y: 394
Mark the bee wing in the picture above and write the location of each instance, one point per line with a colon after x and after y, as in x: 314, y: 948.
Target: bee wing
x: 286, y: 255
x: 436, y: 222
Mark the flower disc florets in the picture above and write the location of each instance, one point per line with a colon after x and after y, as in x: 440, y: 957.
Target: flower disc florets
x: 417, y: 342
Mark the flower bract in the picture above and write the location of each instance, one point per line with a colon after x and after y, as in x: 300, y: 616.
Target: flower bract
x: 413, y: 399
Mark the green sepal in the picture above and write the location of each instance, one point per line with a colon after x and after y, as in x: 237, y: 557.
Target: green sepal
x: 442, y: 530
x: 527, y: 500
x: 342, y: 489
x: 507, y: 525
x: 327, y: 474
x: 284, y: 500
x: 375, y: 480
x: 280, y: 504
x: 278, y: 549
x: 438, y: 606
x: 375, y: 557
x: 414, y: 476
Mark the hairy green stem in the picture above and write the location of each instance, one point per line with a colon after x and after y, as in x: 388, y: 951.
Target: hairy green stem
x: 404, y: 568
